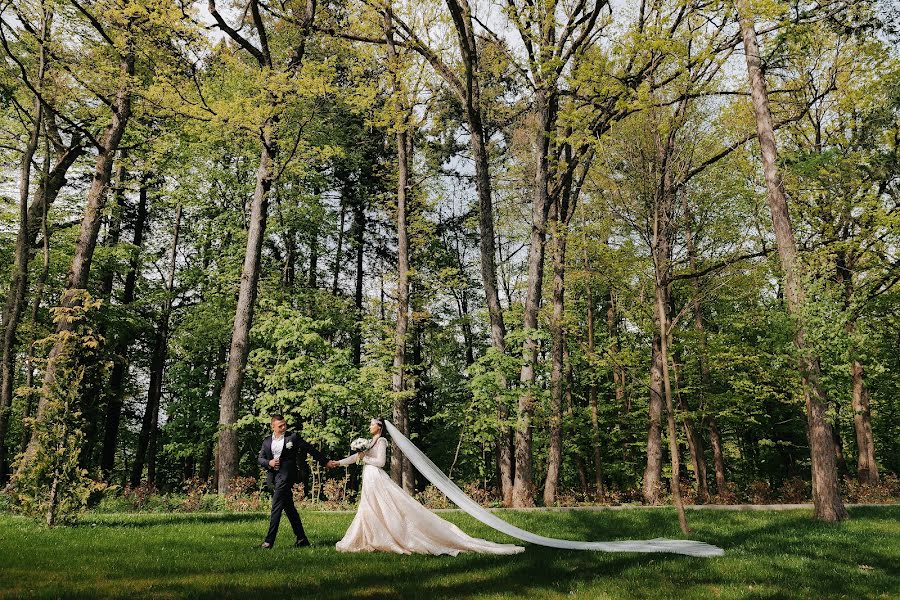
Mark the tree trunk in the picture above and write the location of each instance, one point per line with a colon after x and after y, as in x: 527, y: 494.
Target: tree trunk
x: 592, y: 387
x: 695, y: 446
x: 709, y: 419
x: 839, y: 460
x: 149, y: 425
x: 715, y: 441
x: 653, y: 471
x: 566, y: 201
x: 359, y: 241
x: 289, y: 269
x: 151, y: 411
x: 18, y: 286
x: 226, y: 457
x: 339, y: 251
x: 35, y: 308
x: 866, y: 468
x: 461, y: 13
x: 557, y: 334
x: 826, y: 492
x: 96, y: 402
x: 114, y: 228
x: 612, y: 327
x: 695, y: 441
x: 313, y: 279
x: 523, y: 486
x: 243, y: 318
x: 120, y: 368
x: 90, y: 224
x: 398, y: 380
x: 663, y: 320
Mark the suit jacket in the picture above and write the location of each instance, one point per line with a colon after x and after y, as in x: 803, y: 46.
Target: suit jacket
x: 287, y: 474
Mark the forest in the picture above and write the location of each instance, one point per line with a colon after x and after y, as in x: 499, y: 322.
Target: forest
x: 578, y: 251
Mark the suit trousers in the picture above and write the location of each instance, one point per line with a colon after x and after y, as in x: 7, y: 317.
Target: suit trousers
x: 283, y: 501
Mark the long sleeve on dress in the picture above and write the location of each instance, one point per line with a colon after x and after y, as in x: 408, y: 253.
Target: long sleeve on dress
x: 346, y: 462
x: 375, y: 456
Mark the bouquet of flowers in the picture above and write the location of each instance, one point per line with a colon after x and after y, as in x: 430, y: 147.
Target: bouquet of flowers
x: 359, y: 445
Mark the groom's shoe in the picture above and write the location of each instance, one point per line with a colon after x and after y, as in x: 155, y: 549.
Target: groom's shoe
x: 265, y: 546
x: 301, y: 543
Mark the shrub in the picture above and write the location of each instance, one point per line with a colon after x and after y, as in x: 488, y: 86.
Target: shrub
x: 794, y: 491
x: 488, y: 497
x: 433, y: 498
x: 48, y: 482
x: 245, y: 495
x: 760, y: 492
x: 887, y: 490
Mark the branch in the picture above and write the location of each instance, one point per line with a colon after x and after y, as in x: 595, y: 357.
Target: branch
x: 96, y: 24
x: 512, y: 59
x: 234, y: 35
x: 39, y: 96
x: 428, y: 54
x: 261, y: 30
x: 354, y: 37
x: 731, y: 148
x: 719, y: 265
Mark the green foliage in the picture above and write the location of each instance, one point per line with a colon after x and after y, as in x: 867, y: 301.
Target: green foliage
x: 50, y: 483
x: 300, y: 374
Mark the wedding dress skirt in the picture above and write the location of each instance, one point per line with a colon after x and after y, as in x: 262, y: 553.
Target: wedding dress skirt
x: 433, y: 474
x: 390, y: 520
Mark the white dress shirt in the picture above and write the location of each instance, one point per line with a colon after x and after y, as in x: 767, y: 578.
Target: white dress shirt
x: 277, y: 446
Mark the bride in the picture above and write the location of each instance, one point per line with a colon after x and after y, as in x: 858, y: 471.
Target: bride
x: 390, y: 520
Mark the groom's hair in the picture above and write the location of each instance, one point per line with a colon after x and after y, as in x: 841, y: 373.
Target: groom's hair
x: 277, y: 417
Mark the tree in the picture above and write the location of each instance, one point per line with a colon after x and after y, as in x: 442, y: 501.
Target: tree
x: 123, y: 26
x: 265, y: 175
x: 826, y: 492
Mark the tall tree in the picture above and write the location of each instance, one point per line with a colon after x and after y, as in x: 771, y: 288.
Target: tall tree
x: 117, y: 378
x: 145, y: 454
x: 15, y: 300
x: 265, y: 174
x: 400, y: 471
x: 826, y: 491
x: 564, y: 209
x: 122, y: 26
x: 550, y: 48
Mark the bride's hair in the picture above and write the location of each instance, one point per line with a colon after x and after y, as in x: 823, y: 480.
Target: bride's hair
x: 380, y: 422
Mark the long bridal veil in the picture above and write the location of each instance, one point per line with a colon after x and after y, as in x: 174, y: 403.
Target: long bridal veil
x: 430, y: 471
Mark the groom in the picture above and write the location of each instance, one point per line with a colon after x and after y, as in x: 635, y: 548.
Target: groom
x: 278, y: 456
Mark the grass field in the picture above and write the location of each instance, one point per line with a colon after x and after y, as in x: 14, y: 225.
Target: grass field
x: 768, y: 555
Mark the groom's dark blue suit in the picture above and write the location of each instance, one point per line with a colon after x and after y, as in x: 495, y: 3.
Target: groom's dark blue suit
x: 281, y: 480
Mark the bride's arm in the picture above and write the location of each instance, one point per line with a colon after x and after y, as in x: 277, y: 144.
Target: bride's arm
x: 376, y: 455
x: 346, y: 462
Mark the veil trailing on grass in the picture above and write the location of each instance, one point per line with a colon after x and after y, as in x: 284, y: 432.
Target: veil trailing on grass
x: 430, y: 471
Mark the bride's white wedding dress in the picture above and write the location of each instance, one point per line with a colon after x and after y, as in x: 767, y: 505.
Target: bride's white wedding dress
x: 390, y: 520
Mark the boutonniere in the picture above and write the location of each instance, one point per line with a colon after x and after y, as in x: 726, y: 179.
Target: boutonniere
x: 289, y: 445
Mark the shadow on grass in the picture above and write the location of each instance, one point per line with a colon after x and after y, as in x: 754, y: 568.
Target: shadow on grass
x: 774, y: 555
x: 138, y: 520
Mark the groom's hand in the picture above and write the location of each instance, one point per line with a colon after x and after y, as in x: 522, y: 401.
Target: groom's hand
x: 275, y: 463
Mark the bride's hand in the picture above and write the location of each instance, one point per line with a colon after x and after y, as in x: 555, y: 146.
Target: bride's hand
x: 331, y: 464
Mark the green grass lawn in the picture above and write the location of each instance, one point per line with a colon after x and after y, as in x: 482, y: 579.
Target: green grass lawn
x: 768, y: 555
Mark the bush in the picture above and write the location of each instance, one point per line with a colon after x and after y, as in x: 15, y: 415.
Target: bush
x: 760, y: 492
x: 488, y: 497
x: 433, y: 498
x: 795, y: 491
x: 887, y: 490
x: 245, y: 495
x: 49, y: 483
x: 6, y: 502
